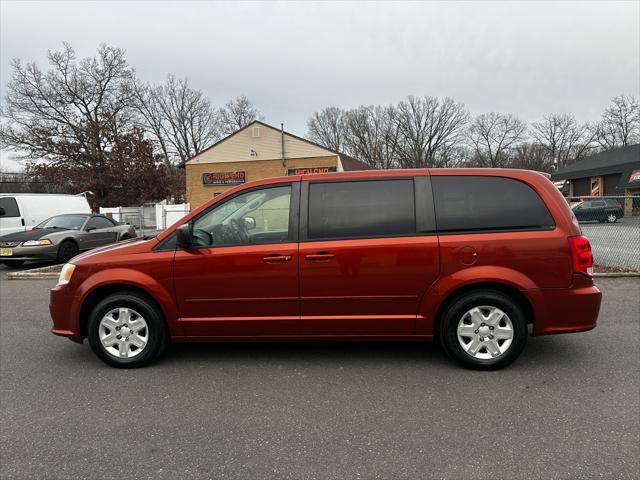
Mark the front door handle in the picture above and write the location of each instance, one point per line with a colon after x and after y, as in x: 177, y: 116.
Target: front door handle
x: 276, y: 258
x: 319, y: 257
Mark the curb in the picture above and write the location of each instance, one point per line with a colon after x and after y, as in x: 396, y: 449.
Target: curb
x: 36, y: 273
x: 616, y: 274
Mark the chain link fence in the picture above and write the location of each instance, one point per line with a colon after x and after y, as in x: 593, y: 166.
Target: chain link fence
x: 612, y: 225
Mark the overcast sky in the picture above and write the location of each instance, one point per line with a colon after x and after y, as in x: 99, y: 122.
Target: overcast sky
x: 292, y: 59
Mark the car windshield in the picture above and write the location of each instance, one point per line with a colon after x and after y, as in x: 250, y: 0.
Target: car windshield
x: 67, y: 222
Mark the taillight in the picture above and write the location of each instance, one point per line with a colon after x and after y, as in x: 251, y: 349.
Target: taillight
x: 618, y: 205
x: 581, y: 254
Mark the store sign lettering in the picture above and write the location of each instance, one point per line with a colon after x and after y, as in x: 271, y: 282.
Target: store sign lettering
x: 224, y: 178
x: 310, y: 170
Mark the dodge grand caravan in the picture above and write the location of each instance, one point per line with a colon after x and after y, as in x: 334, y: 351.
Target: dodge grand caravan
x: 475, y: 258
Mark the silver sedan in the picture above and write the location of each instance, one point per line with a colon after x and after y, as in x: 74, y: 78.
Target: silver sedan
x: 62, y: 237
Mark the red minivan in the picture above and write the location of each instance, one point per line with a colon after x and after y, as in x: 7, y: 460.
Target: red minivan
x: 477, y: 258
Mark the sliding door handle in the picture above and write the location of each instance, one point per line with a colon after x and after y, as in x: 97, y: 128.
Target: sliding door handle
x: 276, y: 258
x: 319, y: 257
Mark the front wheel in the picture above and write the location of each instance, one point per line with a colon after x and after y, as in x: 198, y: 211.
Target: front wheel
x: 67, y: 251
x: 484, y: 330
x: 127, y: 330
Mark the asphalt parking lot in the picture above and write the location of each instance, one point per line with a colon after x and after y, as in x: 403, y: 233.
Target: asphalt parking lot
x: 568, y: 408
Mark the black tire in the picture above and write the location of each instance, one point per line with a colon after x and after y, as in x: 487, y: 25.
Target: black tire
x: 612, y: 218
x: 66, y: 251
x: 157, y: 330
x: 13, y: 263
x: 453, y: 314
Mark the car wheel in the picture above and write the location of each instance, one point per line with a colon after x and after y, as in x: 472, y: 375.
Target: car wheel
x: 67, y: 251
x: 127, y: 330
x: 611, y: 218
x: 483, y: 330
x: 13, y: 263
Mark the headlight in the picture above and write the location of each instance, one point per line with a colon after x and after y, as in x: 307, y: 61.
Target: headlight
x: 66, y: 273
x: 35, y: 243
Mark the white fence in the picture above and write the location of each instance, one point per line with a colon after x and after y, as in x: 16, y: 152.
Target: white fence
x: 148, y: 216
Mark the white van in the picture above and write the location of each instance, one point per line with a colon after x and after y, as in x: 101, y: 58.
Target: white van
x: 23, y: 211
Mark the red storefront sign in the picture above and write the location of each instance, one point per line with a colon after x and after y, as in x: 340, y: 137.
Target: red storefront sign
x: 224, y: 178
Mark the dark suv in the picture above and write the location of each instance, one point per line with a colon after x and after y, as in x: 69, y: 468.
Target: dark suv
x: 604, y: 210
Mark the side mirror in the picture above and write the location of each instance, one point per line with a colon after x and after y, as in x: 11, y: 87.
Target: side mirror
x: 249, y: 223
x: 184, y: 239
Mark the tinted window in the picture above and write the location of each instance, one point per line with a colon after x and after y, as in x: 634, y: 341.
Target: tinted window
x: 597, y: 204
x: 468, y: 203
x: 361, y: 209
x: 99, y: 222
x: 9, y: 207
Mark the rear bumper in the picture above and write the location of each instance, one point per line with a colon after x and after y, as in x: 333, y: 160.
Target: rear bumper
x: 62, y: 307
x: 568, y: 310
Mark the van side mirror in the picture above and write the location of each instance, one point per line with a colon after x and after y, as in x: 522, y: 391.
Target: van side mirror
x: 184, y: 239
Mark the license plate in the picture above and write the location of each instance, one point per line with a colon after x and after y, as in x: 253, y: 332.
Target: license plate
x: 6, y: 252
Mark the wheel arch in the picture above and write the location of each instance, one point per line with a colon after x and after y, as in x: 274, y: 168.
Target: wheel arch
x: 97, y: 294
x: 504, y: 288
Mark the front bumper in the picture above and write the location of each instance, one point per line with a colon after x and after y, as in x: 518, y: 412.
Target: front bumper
x: 63, y: 307
x: 41, y: 252
x: 567, y: 310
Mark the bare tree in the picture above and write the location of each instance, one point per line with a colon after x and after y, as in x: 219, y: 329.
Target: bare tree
x: 620, y: 124
x: 371, y: 135
x: 533, y: 156
x: 327, y: 127
x: 236, y: 114
x: 71, y: 112
x: 493, y: 136
x: 563, y: 138
x: 430, y: 130
x: 180, y: 119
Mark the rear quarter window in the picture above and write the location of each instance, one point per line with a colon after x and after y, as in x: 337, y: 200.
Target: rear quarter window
x: 478, y: 203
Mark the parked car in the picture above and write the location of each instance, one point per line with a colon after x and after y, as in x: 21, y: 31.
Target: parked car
x: 22, y: 211
x: 61, y: 238
x: 605, y: 210
x: 470, y: 257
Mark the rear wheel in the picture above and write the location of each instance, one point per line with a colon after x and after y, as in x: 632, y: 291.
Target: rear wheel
x: 127, y: 330
x: 484, y: 330
x: 67, y: 251
x: 13, y: 263
x: 612, y: 217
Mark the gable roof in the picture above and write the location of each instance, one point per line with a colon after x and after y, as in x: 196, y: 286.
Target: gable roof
x: 610, y: 161
x: 353, y: 163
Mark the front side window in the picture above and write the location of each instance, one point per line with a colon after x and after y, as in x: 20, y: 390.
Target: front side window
x: 352, y: 209
x: 64, y: 222
x: 477, y: 203
x: 9, y: 207
x: 259, y: 216
x: 99, y: 222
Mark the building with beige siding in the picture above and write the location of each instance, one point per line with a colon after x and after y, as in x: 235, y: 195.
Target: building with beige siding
x: 255, y: 152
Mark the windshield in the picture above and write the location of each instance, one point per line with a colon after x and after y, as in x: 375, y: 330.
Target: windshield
x: 68, y: 222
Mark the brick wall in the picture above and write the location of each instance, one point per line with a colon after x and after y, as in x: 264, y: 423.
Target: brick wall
x: 197, y: 193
